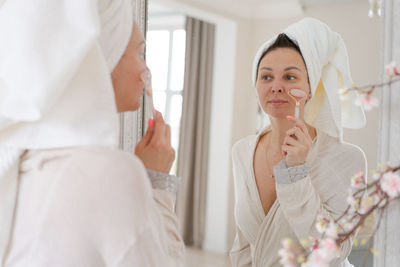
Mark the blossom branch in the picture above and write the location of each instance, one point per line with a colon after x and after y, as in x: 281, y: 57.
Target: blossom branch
x: 364, y: 199
x: 365, y: 97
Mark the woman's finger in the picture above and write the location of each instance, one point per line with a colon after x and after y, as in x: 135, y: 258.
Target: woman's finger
x: 298, y: 133
x: 159, y: 128
x: 168, y: 134
x: 148, y: 135
x: 299, y: 123
x: 288, y: 150
x: 292, y: 142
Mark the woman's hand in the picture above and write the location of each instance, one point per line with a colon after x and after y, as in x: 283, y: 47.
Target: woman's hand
x: 155, y: 148
x: 297, y: 143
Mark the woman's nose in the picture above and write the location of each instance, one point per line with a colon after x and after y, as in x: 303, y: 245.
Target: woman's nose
x: 277, y: 89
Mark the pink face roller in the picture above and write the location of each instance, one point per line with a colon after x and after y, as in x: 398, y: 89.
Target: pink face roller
x: 146, y: 78
x: 297, y: 95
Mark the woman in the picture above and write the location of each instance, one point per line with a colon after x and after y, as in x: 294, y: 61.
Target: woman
x: 295, y: 168
x: 68, y: 196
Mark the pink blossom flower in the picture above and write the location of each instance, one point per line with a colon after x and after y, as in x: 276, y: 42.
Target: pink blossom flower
x: 359, y: 174
x: 367, y: 101
x: 391, y: 70
x: 287, y: 242
x: 286, y: 258
x: 329, y: 245
x: 357, y: 181
x: 390, y: 184
x: 331, y: 231
x: 317, y: 259
x: 321, y: 224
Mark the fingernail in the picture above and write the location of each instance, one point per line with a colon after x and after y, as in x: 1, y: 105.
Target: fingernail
x: 150, y: 123
x: 289, y: 117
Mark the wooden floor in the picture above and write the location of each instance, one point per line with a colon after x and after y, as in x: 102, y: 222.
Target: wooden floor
x: 201, y: 258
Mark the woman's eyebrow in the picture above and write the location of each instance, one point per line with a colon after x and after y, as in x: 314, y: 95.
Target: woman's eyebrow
x: 292, y: 68
x: 265, y: 68
x: 286, y: 69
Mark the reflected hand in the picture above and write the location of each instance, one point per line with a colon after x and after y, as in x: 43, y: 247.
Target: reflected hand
x: 297, y: 143
x: 155, y: 148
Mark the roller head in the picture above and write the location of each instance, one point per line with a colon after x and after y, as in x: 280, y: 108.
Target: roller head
x: 297, y: 93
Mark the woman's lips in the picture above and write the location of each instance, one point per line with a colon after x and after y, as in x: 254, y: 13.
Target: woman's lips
x: 277, y: 102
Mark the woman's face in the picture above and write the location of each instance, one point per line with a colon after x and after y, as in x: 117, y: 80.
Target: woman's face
x: 279, y: 71
x: 126, y: 76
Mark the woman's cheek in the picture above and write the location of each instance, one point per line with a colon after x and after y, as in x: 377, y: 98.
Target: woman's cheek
x: 260, y: 92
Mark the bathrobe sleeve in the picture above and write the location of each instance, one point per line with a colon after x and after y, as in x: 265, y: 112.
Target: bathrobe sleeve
x: 302, y: 203
x: 169, y: 241
x: 165, y: 188
x: 240, y: 254
x: 155, y: 247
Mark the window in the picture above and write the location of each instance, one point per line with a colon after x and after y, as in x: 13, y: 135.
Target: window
x: 165, y: 56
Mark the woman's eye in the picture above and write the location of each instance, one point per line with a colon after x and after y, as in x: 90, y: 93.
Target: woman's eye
x: 265, y: 77
x: 290, y: 77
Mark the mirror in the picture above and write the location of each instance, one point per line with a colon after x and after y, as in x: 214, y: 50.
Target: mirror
x: 240, y: 28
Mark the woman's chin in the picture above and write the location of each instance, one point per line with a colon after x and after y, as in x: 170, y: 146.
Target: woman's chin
x: 131, y: 107
x: 279, y: 114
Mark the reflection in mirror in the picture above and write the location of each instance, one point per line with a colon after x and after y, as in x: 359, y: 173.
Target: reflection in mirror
x: 208, y: 223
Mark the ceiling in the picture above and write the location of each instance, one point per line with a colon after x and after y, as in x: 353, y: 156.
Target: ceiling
x: 251, y: 9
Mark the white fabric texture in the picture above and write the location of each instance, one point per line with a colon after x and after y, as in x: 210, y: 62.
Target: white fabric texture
x: 91, y: 206
x: 293, y: 215
x: 55, y: 86
x: 326, y: 59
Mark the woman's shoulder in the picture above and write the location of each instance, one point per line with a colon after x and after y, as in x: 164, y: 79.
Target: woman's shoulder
x: 349, y: 151
x: 109, y: 176
x: 99, y: 154
x: 105, y: 162
x: 342, y: 153
x: 244, y: 145
x: 89, y: 165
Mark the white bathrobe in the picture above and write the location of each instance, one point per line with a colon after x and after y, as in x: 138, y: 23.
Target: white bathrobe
x: 331, y: 165
x: 93, y: 207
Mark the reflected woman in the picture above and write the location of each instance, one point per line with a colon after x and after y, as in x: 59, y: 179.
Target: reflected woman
x: 69, y: 197
x: 295, y: 168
